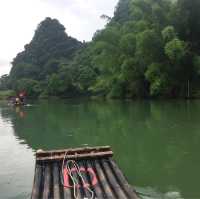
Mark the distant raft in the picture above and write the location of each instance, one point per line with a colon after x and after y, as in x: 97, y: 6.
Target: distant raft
x: 79, y: 173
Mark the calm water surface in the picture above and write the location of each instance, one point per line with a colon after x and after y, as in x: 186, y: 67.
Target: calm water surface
x: 156, y: 144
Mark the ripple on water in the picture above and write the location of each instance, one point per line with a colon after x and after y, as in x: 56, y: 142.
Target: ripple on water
x: 151, y: 193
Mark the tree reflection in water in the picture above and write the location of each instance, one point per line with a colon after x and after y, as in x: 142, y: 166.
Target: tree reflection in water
x: 155, y: 143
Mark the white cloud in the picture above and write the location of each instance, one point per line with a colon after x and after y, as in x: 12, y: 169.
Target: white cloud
x: 19, y: 19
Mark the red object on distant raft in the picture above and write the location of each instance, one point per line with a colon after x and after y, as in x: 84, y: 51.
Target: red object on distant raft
x: 22, y: 94
x: 94, y: 165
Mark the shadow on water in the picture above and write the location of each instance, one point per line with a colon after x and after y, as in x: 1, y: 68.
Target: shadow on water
x: 155, y: 143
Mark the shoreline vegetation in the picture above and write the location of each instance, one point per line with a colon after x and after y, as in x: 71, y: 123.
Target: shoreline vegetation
x: 7, y: 94
x: 149, y: 49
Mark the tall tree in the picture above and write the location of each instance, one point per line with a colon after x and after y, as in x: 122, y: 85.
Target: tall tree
x: 122, y: 12
x: 187, y: 21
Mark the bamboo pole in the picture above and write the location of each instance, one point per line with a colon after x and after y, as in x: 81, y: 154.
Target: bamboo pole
x: 103, y: 181
x: 97, y: 188
x: 129, y: 190
x: 37, y: 182
x: 111, y: 178
x: 73, y: 151
x: 56, y: 184
x: 76, y: 156
x: 47, y: 182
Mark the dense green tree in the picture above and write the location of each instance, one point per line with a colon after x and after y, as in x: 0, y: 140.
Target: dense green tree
x: 175, y: 50
x: 128, y: 44
x: 187, y: 23
x: 4, y: 82
x: 149, y: 48
x: 169, y: 33
x: 122, y: 11
x: 54, y: 85
x: 32, y: 87
x: 158, y: 77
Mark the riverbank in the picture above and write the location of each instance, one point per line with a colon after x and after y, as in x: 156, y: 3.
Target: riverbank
x: 6, y: 94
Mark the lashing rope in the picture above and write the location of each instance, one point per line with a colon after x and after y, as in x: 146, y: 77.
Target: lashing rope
x: 73, y: 178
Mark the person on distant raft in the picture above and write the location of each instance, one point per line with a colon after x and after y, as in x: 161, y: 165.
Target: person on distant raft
x: 17, y: 101
x: 22, y: 97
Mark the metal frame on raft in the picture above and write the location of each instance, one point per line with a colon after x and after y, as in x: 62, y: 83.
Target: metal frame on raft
x: 88, y: 172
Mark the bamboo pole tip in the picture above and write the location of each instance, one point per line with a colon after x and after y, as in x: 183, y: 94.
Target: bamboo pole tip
x: 39, y: 151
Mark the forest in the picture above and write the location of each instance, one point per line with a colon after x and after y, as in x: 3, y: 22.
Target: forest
x: 148, y: 49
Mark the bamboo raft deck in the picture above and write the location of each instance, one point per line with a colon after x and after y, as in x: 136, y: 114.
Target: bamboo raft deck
x: 102, y: 174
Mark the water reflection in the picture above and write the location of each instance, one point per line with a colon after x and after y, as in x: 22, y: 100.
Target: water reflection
x: 155, y: 143
x: 20, y: 112
x: 17, y: 162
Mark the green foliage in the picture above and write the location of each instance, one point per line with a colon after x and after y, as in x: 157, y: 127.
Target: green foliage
x: 128, y: 44
x: 118, y: 89
x: 54, y: 84
x: 187, y: 23
x: 5, y: 94
x: 32, y: 87
x: 196, y: 62
x: 157, y: 76
x: 41, y: 56
x: 168, y: 33
x: 51, y: 66
x: 44, y: 56
x: 87, y: 77
x: 176, y: 50
x: 23, y: 70
x: 4, y: 82
x: 150, y: 48
x: 122, y: 11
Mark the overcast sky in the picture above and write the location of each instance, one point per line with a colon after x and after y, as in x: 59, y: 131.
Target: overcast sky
x: 19, y: 19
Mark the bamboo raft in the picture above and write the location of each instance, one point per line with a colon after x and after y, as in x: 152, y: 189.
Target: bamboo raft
x: 99, y: 170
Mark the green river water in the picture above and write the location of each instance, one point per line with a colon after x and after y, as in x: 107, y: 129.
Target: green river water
x: 156, y: 143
